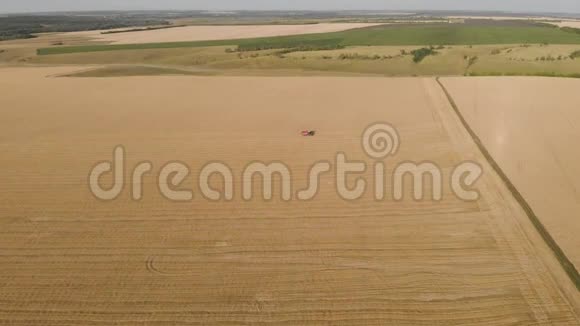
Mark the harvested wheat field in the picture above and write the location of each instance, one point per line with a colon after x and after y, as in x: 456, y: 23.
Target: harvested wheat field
x: 206, y: 33
x: 571, y: 23
x: 530, y: 126
x: 68, y: 258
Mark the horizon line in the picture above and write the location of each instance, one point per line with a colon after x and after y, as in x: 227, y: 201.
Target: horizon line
x: 401, y: 11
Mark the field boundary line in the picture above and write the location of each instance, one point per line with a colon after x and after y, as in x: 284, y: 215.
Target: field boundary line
x: 564, y: 261
x: 66, y: 74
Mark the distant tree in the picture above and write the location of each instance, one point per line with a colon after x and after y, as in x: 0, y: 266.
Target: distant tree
x: 422, y: 53
x: 472, y: 61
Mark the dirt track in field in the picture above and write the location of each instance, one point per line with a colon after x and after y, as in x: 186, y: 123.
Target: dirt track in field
x: 68, y: 258
x: 530, y: 126
x: 205, y: 33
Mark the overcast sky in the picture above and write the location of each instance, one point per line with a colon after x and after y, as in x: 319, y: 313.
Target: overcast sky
x: 566, y: 6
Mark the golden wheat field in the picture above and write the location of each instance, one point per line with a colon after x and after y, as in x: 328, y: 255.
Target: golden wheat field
x: 570, y: 23
x: 70, y: 259
x: 205, y: 33
x: 532, y: 129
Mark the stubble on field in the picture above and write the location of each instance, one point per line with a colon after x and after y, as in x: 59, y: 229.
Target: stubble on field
x: 67, y: 256
x: 530, y: 125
